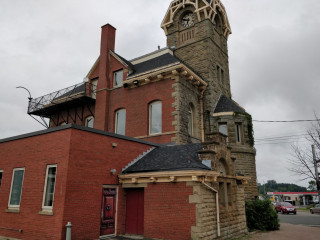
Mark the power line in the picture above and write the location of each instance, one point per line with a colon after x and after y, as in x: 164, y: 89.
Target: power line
x: 291, y: 121
x: 281, y: 137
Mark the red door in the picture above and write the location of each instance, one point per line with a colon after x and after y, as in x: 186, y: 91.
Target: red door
x: 135, y: 207
x: 108, y: 211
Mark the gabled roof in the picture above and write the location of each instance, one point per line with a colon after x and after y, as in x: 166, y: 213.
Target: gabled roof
x: 226, y: 104
x: 170, y: 158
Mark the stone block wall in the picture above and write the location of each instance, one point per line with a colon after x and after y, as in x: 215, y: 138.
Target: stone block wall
x: 232, y: 217
x: 242, y: 152
x: 185, y: 94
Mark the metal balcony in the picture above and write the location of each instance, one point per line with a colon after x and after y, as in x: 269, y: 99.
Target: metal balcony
x: 47, y: 105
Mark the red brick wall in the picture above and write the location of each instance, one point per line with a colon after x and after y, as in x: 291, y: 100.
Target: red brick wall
x: 34, y: 153
x: 167, y: 212
x: 91, y: 159
x: 84, y: 162
x: 136, y: 102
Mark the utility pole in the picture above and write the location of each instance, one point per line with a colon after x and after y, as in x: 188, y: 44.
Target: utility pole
x: 315, y: 162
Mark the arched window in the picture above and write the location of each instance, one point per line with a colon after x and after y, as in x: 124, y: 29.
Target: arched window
x: 222, y: 167
x: 120, y: 122
x: 190, y: 120
x: 155, y: 117
x: 89, y: 121
x: 63, y: 123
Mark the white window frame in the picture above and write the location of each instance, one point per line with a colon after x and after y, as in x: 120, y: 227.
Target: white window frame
x: 1, y: 171
x: 114, y: 78
x: 150, y: 117
x: 89, y: 119
x: 13, y: 172
x: 49, y: 208
x: 116, y: 120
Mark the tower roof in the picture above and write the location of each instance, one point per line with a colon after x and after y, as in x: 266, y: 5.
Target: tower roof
x: 226, y: 104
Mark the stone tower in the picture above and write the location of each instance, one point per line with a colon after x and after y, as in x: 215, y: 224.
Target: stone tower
x: 197, y: 31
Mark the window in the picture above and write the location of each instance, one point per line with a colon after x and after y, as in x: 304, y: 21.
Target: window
x: 190, y: 120
x: 63, y: 123
x: 117, y: 78
x: 155, y: 117
x: 1, y: 173
x: 220, y: 74
x: 223, y: 128
x: 120, y: 122
x: 222, y: 194
x: 229, y: 194
x: 48, y: 192
x: 89, y: 121
x: 238, y: 132
x: 16, y: 188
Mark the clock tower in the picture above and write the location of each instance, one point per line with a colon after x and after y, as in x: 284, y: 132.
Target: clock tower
x: 198, y: 30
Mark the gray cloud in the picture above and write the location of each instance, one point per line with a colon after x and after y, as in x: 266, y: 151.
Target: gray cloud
x: 274, y: 58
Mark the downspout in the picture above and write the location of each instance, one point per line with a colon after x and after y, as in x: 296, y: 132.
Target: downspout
x: 202, y: 117
x: 217, y: 204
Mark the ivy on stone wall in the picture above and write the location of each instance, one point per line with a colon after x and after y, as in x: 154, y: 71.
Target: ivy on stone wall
x: 250, y: 126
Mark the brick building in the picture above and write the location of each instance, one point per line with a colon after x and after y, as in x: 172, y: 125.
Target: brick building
x: 154, y: 146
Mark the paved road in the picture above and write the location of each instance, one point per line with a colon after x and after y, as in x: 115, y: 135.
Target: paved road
x: 301, y: 218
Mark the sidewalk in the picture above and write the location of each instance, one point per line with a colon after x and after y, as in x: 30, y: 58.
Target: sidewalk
x: 288, y: 231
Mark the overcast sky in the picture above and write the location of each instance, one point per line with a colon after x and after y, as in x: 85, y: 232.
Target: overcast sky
x: 274, y: 54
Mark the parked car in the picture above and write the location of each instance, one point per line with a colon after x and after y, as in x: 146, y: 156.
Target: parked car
x: 285, y: 207
x: 315, y: 209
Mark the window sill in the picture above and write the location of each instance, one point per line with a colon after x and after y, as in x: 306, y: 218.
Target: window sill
x: 12, y: 210
x: 46, y: 212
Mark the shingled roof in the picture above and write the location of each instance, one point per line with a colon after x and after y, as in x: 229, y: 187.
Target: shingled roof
x: 226, y: 104
x: 154, y: 63
x: 170, y: 158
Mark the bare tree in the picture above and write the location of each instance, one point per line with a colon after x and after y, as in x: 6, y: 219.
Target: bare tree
x: 302, y: 162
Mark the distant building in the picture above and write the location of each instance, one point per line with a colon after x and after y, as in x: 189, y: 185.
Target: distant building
x: 154, y: 146
x: 298, y: 198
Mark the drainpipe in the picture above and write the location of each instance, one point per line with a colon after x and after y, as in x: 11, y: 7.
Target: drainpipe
x: 217, y: 204
x: 201, y: 106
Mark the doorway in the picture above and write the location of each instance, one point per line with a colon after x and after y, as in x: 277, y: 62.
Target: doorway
x: 135, y: 211
x: 108, y: 211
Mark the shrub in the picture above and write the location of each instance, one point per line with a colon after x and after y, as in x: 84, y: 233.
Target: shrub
x: 261, y: 215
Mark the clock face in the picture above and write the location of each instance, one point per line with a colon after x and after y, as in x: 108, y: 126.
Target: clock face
x: 187, y: 20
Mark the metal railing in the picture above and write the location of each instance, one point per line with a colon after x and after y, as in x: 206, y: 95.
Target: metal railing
x: 63, y: 95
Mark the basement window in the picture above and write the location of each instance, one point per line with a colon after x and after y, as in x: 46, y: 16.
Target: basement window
x: 49, y: 186
x: 16, y: 188
x: 117, y: 78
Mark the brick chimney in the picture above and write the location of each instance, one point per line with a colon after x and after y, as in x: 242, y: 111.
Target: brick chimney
x: 108, y: 35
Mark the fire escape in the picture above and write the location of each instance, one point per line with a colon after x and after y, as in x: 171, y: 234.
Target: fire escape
x: 67, y: 105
